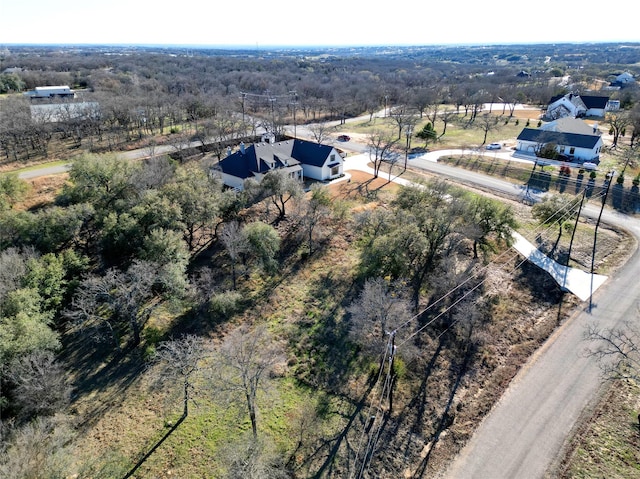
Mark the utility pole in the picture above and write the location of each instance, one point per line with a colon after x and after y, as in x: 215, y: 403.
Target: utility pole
x: 243, y: 97
x: 408, y: 132
x: 595, y: 235
x: 573, y: 234
x: 294, y: 102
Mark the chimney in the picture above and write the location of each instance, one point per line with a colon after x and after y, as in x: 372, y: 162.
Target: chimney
x: 242, y: 147
x: 228, y: 151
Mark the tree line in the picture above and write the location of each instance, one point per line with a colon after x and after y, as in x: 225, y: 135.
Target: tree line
x: 139, y: 95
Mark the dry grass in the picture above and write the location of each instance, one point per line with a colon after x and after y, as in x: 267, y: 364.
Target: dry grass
x: 42, y: 191
x: 606, y: 443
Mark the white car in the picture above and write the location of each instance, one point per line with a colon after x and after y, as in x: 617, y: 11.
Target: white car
x: 493, y: 146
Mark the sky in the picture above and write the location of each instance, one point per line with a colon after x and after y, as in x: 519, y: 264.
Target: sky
x: 254, y: 23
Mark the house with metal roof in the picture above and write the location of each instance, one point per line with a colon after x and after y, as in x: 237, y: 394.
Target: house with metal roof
x: 573, y: 139
x: 50, y: 92
x: 299, y: 158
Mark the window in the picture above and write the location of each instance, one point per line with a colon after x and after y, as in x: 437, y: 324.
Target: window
x: 335, y: 171
x: 572, y: 150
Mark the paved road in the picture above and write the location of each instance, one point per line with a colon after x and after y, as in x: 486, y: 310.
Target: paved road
x: 524, y: 433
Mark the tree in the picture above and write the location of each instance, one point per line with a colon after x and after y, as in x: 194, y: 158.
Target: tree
x: 167, y: 250
x: 320, y: 131
x: 12, y: 190
x: 104, y: 181
x: 556, y: 210
x: 39, y: 384
x: 246, y: 358
x: 618, y: 122
x: 377, y: 311
x: 252, y: 458
x: 116, y: 304
x: 25, y: 327
x: 617, y: 350
x: 402, y: 118
x: 419, y: 233
x: 41, y: 449
x: 180, y: 361
x: 490, y: 217
x: 280, y: 188
x: 264, y: 244
x: 236, y: 243
x: 487, y: 124
x: 13, y: 268
x: 317, y: 207
x: 428, y: 134
x: 199, y: 198
x: 381, y: 146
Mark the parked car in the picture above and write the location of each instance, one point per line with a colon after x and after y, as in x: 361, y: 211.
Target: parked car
x: 344, y: 138
x: 493, y: 146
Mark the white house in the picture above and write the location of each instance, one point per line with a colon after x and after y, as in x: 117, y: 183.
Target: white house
x: 299, y: 158
x: 624, y: 79
x: 578, y: 106
x: 574, y: 140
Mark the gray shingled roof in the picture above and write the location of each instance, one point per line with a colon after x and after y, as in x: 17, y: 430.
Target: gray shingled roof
x: 559, y: 138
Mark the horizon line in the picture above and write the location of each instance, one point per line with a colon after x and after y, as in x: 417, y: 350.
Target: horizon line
x: 258, y: 46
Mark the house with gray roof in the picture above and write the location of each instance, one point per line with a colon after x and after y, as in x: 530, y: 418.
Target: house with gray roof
x: 299, y: 158
x: 578, y: 106
x: 575, y: 140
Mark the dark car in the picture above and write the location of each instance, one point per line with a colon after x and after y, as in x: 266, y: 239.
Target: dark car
x: 344, y: 138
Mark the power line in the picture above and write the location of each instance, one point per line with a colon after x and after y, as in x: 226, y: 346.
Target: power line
x: 564, y: 213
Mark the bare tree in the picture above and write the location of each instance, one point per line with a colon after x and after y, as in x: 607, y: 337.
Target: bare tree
x: 41, y: 449
x: 446, y: 117
x: 617, y: 350
x: 377, y: 312
x: 320, y: 131
x: 381, y: 147
x: 180, y: 361
x: 40, y: 384
x: 618, y: 122
x: 252, y: 458
x: 236, y: 243
x: 246, y: 359
x: 487, y: 124
x: 118, y: 302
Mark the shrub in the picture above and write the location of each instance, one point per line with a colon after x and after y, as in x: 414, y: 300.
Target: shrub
x: 224, y: 305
